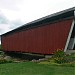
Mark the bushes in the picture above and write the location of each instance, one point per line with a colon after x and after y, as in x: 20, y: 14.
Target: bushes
x: 59, y: 53
x: 61, y: 57
x: 5, y: 61
x: 4, y: 58
x: 1, y: 53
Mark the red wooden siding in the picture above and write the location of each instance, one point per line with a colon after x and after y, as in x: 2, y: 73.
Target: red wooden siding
x: 44, y: 39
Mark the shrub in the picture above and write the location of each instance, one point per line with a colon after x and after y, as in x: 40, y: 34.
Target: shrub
x: 61, y: 57
x: 4, y: 58
x: 1, y: 53
x: 72, y: 64
x: 59, y: 53
x: 2, y: 61
x: 70, y: 58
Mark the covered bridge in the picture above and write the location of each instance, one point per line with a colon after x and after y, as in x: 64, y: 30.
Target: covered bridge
x: 43, y: 36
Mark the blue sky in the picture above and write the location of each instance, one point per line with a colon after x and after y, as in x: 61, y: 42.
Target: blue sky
x: 14, y: 13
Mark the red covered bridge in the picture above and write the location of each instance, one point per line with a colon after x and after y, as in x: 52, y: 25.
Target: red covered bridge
x: 43, y: 36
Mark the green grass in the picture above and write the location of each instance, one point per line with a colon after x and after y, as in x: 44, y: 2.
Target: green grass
x: 29, y: 68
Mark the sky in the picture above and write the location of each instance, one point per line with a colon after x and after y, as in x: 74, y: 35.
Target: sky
x: 15, y: 13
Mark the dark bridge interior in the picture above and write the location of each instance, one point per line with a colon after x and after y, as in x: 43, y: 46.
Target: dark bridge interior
x: 73, y: 36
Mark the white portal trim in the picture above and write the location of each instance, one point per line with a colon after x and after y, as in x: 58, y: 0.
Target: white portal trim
x: 69, y: 36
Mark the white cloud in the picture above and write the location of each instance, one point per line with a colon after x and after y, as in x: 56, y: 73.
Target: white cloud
x: 18, y: 12
x: 14, y: 13
x: 10, y: 14
x: 16, y: 23
x: 28, y: 10
x: 4, y: 28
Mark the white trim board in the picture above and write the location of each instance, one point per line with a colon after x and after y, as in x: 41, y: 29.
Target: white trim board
x: 69, y: 36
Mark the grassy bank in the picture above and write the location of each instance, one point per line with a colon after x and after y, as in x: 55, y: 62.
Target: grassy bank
x: 29, y: 68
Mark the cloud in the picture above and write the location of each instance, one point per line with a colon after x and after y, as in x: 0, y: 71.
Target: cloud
x: 15, y: 24
x: 29, y: 10
x: 4, y: 26
x: 14, y: 13
x: 3, y: 20
x: 9, y: 4
x: 18, y: 12
x: 7, y: 25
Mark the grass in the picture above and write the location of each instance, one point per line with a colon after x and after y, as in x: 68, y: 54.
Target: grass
x: 30, y: 68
